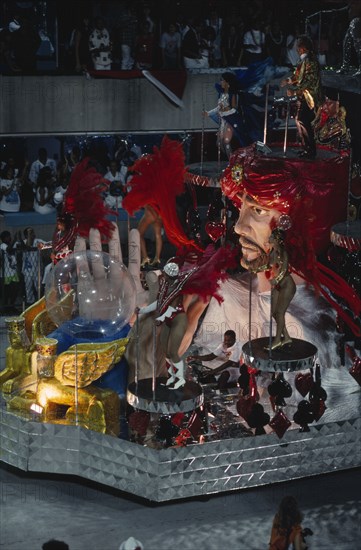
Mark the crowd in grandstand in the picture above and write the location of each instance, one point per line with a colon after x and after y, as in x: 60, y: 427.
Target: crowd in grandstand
x: 98, y: 36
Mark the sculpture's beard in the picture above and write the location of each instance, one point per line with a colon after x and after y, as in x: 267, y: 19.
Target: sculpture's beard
x: 254, y: 258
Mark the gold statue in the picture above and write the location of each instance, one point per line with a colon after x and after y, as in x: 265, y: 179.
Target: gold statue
x: 283, y: 287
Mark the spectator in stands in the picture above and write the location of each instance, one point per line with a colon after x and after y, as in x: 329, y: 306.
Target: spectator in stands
x: 81, y: 35
x: 44, y: 192
x: 9, y: 189
x: 128, y: 31
x: 208, y: 36
x: 64, y: 170
x: 292, y: 57
x: 40, y: 163
x: 25, y: 42
x: 253, y: 43
x: 9, y: 271
x: 191, y: 47
x: 170, y: 44
x: 26, y: 190
x: 274, y: 42
x: 144, y: 47
x: 100, y: 46
x: 116, y: 190
x: 232, y: 42
x: 131, y: 544
x: 146, y: 16
x: 31, y: 266
x: 215, y: 22
x: 7, y: 64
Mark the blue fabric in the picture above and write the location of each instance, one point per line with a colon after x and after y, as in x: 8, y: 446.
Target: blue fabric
x: 248, y: 123
x: 117, y: 378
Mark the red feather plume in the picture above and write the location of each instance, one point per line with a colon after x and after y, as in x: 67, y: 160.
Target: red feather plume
x: 84, y: 202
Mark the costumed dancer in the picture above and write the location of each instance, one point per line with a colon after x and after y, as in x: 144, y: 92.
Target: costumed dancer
x: 240, y: 109
x: 352, y: 42
x: 157, y: 180
x: 306, y: 85
x: 150, y: 217
x: 226, y: 114
x: 286, y: 526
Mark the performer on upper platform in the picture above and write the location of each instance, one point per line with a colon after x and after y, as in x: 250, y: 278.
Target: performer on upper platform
x: 306, y: 85
x: 226, y: 114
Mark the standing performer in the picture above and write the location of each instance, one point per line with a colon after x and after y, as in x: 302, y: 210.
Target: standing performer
x: 226, y: 114
x: 150, y: 217
x: 306, y: 85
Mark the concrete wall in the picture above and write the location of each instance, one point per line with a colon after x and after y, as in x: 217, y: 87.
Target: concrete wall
x: 62, y: 104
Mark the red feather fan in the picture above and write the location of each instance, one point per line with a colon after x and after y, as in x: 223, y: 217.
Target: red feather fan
x: 83, y: 200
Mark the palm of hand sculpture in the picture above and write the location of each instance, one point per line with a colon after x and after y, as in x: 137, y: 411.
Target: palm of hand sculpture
x: 93, y: 280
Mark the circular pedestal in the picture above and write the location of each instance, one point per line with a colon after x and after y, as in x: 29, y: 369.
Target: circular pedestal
x: 347, y: 235
x: 300, y: 355
x: 164, y: 400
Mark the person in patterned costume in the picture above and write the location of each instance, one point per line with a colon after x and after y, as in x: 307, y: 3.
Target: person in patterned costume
x: 306, y: 85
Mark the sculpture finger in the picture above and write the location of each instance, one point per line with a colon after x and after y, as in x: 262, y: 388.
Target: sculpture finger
x: 134, y: 258
x: 80, y: 244
x: 97, y: 265
x: 115, y: 249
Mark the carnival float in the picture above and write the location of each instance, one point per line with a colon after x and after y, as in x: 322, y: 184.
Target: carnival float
x: 96, y: 382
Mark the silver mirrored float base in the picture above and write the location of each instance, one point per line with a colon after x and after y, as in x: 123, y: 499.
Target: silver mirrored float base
x: 175, y: 473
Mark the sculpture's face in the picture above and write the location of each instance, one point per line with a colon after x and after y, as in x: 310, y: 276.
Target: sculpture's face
x: 254, y: 230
